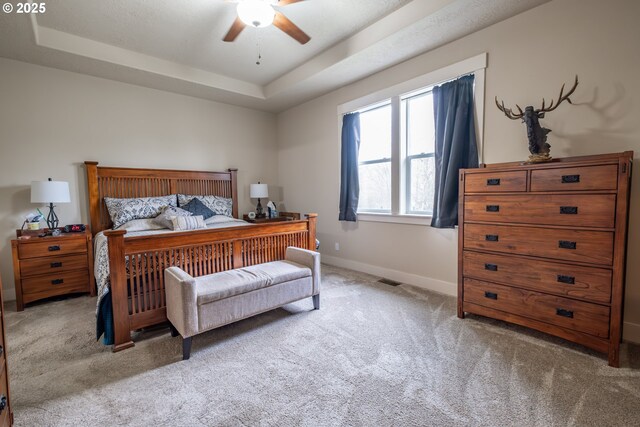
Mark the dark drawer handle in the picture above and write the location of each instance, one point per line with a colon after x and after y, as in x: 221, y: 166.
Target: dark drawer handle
x: 569, y: 210
x: 3, y: 403
x: 1, y: 349
x: 493, y: 181
x: 491, y: 237
x: 564, y: 313
x: 54, y: 248
x: 570, y: 280
x: 491, y: 295
x: 493, y: 208
x: 57, y: 281
x: 569, y: 179
x: 491, y: 267
x: 565, y: 244
x: 56, y: 264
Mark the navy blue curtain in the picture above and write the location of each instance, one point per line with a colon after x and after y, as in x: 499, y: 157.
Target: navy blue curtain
x: 349, y: 183
x: 456, y: 146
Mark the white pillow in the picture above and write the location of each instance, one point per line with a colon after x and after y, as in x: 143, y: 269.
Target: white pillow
x: 168, y: 212
x: 140, y: 225
x: 185, y: 223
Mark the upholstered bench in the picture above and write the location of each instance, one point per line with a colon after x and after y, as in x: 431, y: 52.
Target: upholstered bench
x: 199, y: 304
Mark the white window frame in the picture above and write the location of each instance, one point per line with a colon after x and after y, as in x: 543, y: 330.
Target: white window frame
x: 475, y: 65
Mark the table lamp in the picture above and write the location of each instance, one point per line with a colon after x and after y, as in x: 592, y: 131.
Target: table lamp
x: 259, y: 191
x: 50, y: 192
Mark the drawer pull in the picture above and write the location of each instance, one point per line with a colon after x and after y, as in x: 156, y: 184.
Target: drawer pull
x: 54, y: 248
x: 3, y: 403
x: 493, y: 181
x: 490, y: 295
x: 569, y: 210
x: 491, y: 237
x: 57, y: 281
x: 570, y: 179
x: 564, y: 313
x: 1, y: 349
x: 491, y: 267
x: 565, y: 244
x: 493, y: 208
x: 570, y: 280
x: 56, y: 264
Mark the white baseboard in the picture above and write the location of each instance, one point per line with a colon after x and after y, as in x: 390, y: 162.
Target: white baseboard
x: 9, y: 294
x: 429, y: 283
x: 631, y: 331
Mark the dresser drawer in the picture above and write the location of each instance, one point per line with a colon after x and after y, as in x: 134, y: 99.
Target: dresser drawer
x: 579, y: 316
x: 55, y: 283
x: 587, y: 283
x: 593, y: 210
x: 603, y: 177
x: 54, y: 264
x: 45, y: 248
x: 494, y: 182
x: 594, y: 247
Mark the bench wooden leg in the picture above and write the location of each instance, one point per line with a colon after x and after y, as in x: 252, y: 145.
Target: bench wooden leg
x: 174, y: 331
x: 186, y: 348
x: 316, y: 302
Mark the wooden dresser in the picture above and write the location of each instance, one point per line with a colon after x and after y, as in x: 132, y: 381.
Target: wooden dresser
x: 6, y: 414
x: 54, y: 265
x: 544, y: 246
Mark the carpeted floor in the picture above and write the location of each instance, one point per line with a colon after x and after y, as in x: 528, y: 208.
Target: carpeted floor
x: 374, y: 355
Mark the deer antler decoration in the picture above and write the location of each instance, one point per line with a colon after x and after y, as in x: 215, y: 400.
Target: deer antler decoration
x: 537, y: 135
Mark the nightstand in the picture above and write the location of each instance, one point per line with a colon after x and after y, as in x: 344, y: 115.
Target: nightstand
x: 284, y: 216
x: 53, y: 265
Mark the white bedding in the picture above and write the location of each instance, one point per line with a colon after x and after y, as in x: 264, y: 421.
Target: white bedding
x: 141, y: 228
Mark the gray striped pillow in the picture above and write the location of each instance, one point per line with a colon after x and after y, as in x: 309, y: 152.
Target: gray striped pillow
x: 185, y: 223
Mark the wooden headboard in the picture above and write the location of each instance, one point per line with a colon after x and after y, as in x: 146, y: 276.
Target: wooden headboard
x: 129, y: 182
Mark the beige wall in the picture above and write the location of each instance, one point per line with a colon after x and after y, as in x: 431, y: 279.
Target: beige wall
x: 51, y: 121
x: 530, y: 55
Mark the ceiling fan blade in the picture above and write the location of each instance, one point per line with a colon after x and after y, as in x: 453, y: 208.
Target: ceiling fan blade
x: 290, y: 28
x: 235, y: 29
x: 286, y: 2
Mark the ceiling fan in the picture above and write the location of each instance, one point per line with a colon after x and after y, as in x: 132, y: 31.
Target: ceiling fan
x: 261, y: 13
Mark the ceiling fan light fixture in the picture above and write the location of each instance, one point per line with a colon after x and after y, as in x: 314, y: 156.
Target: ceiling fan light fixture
x: 257, y: 13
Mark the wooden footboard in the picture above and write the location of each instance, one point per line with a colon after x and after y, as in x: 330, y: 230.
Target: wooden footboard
x: 137, y: 264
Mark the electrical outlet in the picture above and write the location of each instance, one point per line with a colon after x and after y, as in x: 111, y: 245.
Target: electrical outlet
x: 337, y: 246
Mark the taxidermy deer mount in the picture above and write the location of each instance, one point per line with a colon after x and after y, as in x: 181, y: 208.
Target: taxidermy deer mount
x: 538, y: 146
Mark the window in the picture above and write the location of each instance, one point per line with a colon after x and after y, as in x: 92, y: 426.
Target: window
x: 417, y: 141
x: 397, y: 143
x: 374, y: 157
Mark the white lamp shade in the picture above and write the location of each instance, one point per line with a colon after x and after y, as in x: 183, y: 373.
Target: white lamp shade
x: 50, y: 192
x: 258, y: 191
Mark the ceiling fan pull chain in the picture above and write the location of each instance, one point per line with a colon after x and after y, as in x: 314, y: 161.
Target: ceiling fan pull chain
x: 258, y: 45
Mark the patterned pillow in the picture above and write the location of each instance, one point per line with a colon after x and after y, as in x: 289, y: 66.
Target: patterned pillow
x: 185, y: 223
x: 164, y: 219
x: 196, y: 207
x: 219, y: 205
x: 124, y: 210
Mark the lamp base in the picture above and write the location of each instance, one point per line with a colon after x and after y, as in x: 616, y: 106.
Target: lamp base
x: 52, y: 218
x: 259, y: 211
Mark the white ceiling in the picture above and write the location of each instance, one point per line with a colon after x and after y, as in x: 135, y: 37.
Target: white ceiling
x: 176, y: 45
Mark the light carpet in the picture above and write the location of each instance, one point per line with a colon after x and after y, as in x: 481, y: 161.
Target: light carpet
x: 374, y: 355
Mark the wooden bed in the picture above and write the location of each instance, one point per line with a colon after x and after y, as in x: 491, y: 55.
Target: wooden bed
x: 137, y: 263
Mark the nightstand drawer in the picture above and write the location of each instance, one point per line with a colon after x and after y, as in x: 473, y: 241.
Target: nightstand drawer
x: 54, y: 264
x: 51, y: 283
x: 52, y: 248
x: 4, y: 395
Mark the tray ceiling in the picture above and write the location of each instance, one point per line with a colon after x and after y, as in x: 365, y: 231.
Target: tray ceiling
x: 176, y: 45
